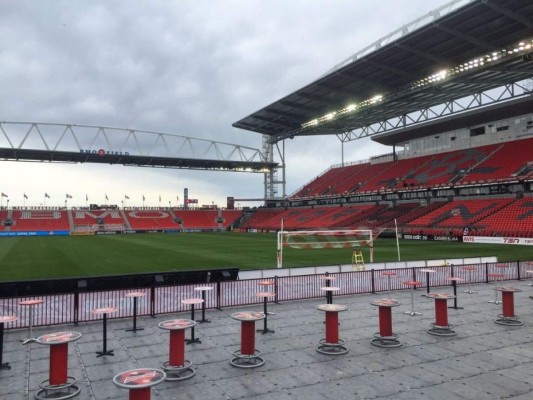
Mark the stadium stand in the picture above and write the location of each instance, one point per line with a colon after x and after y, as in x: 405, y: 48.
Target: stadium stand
x: 39, y: 220
x: 514, y: 220
x: 151, y: 219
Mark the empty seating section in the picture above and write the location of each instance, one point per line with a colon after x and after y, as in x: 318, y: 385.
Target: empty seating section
x: 514, y: 220
x: 456, y: 215
x: 391, y: 177
x: 97, y: 217
x: 356, y: 182
x: 260, y: 216
x: 505, y: 163
x: 444, y: 168
x: 198, y: 219
x: 148, y: 220
x: 384, y: 217
x: 39, y: 220
x: 320, y: 184
x: 3, y: 217
x: 230, y: 217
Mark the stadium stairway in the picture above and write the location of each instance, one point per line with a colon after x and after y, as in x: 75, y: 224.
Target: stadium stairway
x: 127, y: 224
x: 70, y: 220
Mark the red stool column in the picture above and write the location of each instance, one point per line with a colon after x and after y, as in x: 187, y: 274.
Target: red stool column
x: 177, y: 368
x: 441, y: 326
x: 58, y: 385
x: 508, y: 317
x: 332, y: 345
x: 139, y: 381
x: 385, y: 337
x: 248, y: 356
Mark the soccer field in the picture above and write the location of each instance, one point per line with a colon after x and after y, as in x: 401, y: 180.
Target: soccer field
x: 25, y: 258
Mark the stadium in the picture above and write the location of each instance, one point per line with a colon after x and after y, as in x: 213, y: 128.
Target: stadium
x: 450, y: 94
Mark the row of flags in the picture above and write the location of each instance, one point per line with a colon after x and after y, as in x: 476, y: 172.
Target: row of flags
x: 68, y: 196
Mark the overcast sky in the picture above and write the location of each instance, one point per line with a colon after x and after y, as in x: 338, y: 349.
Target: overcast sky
x: 184, y: 67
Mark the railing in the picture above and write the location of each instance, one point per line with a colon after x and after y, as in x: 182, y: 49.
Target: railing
x: 76, y: 307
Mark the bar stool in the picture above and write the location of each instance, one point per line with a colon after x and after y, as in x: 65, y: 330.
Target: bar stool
x: 469, y: 269
x: 248, y: 356
x: 30, y: 303
x: 203, y: 290
x: 497, y: 278
x: 134, y: 296
x: 58, y: 385
x: 4, y: 319
x: 427, y: 271
x: 177, y: 367
x: 508, y: 317
x: 454, y: 280
x: 529, y: 272
x: 104, y: 311
x: 265, y: 296
x: 332, y: 345
x: 139, y: 381
x: 413, y: 285
x: 192, y: 303
x: 388, y: 274
x: 328, y: 279
x: 441, y: 327
x: 385, y: 337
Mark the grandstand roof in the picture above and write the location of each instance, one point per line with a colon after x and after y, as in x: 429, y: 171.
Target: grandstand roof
x: 477, y: 29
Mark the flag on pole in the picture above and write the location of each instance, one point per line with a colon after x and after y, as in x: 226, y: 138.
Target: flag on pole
x: 160, y: 198
x: 126, y: 197
x: 143, y: 197
x: 25, y: 196
x: 106, y: 197
x: 4, y: 195
x: 69, y: 196
x: 177, y: 198
x: 86, y: 197
x: 46, y: 196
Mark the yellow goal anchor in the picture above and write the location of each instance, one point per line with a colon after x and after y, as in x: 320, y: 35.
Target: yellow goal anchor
x: 358, y: 262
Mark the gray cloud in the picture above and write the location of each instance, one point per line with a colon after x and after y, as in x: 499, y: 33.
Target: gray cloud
x: 186, y: 67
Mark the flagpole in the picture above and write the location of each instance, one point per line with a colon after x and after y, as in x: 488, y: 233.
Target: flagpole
x: 397, y: 240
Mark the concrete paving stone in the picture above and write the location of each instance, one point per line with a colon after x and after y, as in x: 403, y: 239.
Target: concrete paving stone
x: 223, y: 370
x: 290, y: 378
x: 339, y: 368
x: 154, y: 350
x: 246, y: 386
x: 413, y: 377
x: 370, y: 385
x: 205, y: 356
x: 497, y: 385
x: 324, y: 391
x: 107, y: 371
x: 379, y: 361
x: 199, y: 391
x: 488, y: 361
x: 453, y: 369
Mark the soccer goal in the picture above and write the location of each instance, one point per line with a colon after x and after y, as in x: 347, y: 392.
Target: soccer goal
x: 332, y: 239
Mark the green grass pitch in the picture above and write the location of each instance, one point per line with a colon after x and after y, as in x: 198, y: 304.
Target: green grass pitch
x: 26, y: 258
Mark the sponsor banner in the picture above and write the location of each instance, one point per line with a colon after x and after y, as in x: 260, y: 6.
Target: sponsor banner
x: 82, y: 233
x: 431, y: 237
x: 415, y: 237
x: 36, y: 233
x: 108, y: 232
x: 444, y: 238
x: 498, y: 240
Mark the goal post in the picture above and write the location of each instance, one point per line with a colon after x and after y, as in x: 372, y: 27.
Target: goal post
x: 324, y: 239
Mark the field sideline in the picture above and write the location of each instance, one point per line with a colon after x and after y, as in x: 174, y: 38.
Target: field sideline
x: 25, y: 258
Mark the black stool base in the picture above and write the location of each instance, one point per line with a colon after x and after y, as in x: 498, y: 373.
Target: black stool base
x: 5, y: 366
x: 105, y: 353
x: 191, y: 341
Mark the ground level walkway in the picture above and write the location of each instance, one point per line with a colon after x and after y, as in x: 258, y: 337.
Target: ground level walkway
x: 483, y: 361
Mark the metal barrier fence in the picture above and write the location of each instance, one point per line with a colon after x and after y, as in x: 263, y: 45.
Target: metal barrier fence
x: 76, y: 307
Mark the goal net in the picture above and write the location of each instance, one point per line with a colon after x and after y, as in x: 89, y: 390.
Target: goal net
x: 332, y: 239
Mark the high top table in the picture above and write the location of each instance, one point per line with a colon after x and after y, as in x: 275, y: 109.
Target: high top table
x: 385, y: 337
x: 134, y: 296
x: 139, y: 382
x: 265, y: 296
x: 248, y: 356
x: 508, y: 317
x: 4, y: 319
x: 469, y: 269
x: 332, y: 345
x: 270, y: 286
x: 413, y: 285
x: 454, y: 280
x: 328, y: 279
x: 498, y: 277
x: 388, y: 274
x: 441, y: 327
x: 529, y: 272
x: 104, y: 311
x: 192, y: 303
x: 30, y: 304
x: 59, y: 385
x: 427, y: 271
x: 203, y: 290
x: 177, y: 367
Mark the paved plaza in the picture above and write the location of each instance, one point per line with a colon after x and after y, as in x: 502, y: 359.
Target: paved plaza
x: 483, y: 361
